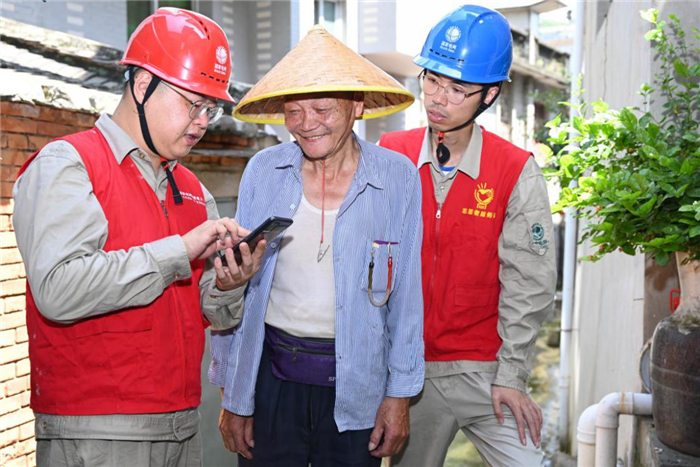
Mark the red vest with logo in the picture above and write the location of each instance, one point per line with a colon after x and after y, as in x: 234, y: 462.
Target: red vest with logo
x: 144, y: 359
x: 460, y: 248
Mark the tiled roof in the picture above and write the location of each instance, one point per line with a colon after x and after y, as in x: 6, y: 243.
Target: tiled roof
x: 50, y: 67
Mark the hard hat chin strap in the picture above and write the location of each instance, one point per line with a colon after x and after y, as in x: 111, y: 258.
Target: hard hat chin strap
x: 442, y: 151
x: 140, y: 107
x: 155, y: 81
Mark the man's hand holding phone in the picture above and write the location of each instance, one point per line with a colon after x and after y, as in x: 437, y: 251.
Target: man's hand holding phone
x: 222, y: 235
x: 236, y: 265
x: 232, y: 274
x: 209, y: 237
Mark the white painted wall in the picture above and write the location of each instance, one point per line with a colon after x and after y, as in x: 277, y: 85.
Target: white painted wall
x: 102, y: 21
x: 233, y: 19
x: 518, y: 19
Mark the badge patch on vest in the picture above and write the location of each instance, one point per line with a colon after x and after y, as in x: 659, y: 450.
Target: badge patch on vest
x: 484, y: 197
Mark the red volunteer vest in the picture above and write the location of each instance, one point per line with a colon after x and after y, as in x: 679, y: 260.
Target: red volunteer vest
x: 460, y: 249
x: 138, y: 360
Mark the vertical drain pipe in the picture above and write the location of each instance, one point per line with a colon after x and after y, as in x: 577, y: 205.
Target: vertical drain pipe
x: 586, y: 437
x: 608, y: 420
x: 570, y: 243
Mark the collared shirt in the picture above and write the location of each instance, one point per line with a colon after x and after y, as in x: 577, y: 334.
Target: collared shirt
x: 468, y: 164
x: 526, y: 293
x: 379, y: 351
x: 61, y: 230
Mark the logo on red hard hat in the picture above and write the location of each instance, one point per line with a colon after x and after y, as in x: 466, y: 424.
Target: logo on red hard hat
x: 221, y: 54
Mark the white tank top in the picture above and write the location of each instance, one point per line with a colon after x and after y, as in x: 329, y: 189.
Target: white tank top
x: 302, y: 298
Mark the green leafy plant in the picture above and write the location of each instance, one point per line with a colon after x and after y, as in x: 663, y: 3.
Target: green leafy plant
x: 551, y: 100
x: 635, y: 173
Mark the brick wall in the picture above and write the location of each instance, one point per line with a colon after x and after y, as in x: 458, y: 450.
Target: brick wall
x: 25, y: 128
x: 213, y: 141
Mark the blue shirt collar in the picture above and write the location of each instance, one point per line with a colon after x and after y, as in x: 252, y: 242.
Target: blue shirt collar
x: 367, y: 173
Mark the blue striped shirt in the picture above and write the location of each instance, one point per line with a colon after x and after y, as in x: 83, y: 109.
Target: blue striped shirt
x: 379, y: 351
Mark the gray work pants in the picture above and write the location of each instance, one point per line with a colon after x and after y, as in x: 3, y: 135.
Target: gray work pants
x: 463, y: 402
x: 141, y: 440
x: 109, y: 453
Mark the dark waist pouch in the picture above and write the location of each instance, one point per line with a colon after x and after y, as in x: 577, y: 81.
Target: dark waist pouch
x: 301, y: 360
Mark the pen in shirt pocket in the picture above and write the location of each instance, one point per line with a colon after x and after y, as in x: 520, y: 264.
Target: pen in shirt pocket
x: 376, y: 244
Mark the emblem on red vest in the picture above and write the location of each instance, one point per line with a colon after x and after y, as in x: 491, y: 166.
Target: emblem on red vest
x: 483, y: 196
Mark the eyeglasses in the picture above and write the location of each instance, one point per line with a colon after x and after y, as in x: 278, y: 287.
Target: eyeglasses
x: 199, y: 108
x: 455, y: 93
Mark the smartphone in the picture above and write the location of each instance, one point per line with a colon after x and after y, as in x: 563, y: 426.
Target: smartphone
x: 267, y: 231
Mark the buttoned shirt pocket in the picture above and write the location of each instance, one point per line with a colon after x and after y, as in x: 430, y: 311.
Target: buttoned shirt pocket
x: 380, y: 270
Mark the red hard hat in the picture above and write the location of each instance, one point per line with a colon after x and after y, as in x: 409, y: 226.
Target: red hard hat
x: 184, y: 48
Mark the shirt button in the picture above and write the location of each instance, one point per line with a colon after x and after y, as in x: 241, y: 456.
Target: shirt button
x: 176, y: 276
x: 340, y: 307
x: 340, y: 357
x: 273, y: 245
x: 292, y: 206
x: 337, y: 260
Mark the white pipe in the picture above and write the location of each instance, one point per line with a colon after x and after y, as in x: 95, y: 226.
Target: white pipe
x: 321, y: 14
x: 532, y: 38
x: 598, y: 424
x: 607, y: 421
x: 570, y: 242
x: 597, y: 427
x: 352, y: 40
x: 586, y: 437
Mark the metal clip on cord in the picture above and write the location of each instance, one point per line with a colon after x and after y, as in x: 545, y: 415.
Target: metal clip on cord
x: 390, y: 265
x: 443, y: 153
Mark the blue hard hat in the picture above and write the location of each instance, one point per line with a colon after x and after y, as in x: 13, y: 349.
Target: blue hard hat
x: 472, y: 44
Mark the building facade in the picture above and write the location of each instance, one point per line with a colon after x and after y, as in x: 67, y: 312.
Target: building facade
x: 388, y: 33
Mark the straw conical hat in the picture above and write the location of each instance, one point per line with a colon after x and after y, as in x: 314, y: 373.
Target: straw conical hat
x: 321, y: 63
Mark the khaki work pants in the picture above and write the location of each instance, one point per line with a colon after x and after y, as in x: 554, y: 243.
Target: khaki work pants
x: 108, y: 453
x: 463, y: 402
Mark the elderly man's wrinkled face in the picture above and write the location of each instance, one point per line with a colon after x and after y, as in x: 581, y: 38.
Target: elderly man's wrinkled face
x: 321, y: 125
